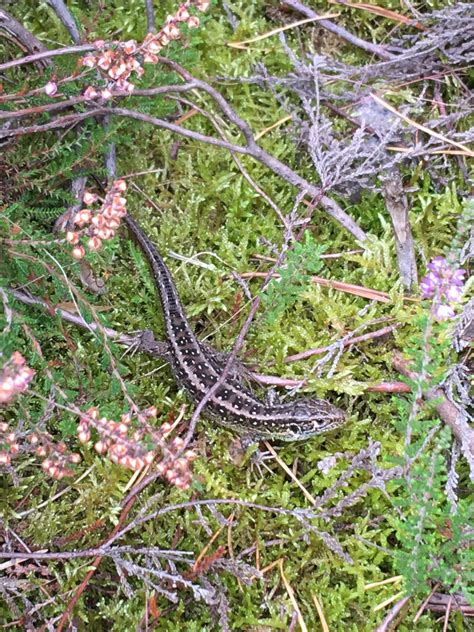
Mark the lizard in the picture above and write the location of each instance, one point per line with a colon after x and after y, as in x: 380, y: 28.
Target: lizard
x: 197, y: 367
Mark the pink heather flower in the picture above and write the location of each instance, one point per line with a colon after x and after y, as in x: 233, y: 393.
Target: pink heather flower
x: 193, y: 22
x: 130, y: 47
x: 444, y: 284
x: 453, y: 293
x: 89, y: 198
x: 91, y: 93
x: 439, y: 265
x: 104, y: 62
x: 89, y: 61
x: 429, y: 284
x: 51, y: 88
x: 106, y: 94
x: 182, y: 14
x: 153, y: 47
x: 149, y: 58
x: 457, y: 277
x: 78, y: 252
x: 15, y: 377
x: 443, y: 312
x: 17, y: 359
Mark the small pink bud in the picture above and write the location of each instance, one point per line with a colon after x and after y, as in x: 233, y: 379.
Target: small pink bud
x: 94, y: 244
x: 118, y: 202
x: 83, y: 217
x: 127, y: 86
x: 72, y: 237
x: 122, y: 429
x: 100, y: 447
x: 98, y: 221
x: 89, y: 198
x: 108, y: 212
x: 84, y: 437
x: 153, y: 47
x: 193, y: 22
x: 150, y: 58
x: 93, y: 412
x: 18, y: 359
x: 5, y: 458
x: 173, y: 31
x: 139, y: 464
x: 148, y: 458
x: 105, y: 233
x: 54, y: 471
x: 166, y: 427
x: 130, y: 47
x: 51, y: 88
x: 182, y: 14
x: 78, y: 252
x: 104, y: 62
x: 89, y: 61
x: 161, y: 469
x: 91, y: 93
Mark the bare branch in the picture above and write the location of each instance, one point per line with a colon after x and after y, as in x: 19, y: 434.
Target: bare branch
x: 45, y: 54
x: 150, y: 16
x: 67, y: 19
x: 374, y: 49
x: 24, y: 39
x: 446, y: 409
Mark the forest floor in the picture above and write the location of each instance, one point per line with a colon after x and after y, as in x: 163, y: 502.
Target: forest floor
x: 274, y: 147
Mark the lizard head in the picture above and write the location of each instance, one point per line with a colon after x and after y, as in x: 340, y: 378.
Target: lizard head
x: 310, y: 417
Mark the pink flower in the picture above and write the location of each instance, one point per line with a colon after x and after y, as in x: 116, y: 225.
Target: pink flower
x: 429, y: 284
x: 454, y: 293
x: 106, y: 94
x: 51, y: 88
x: 444, y: 284
x: 89, y: 198
x: 193, y: 22
x: 91, y: 93
x: 89, y: 61
x: 439, y: 265
x: 443, y: 312
x: 202, y: 5
x: 130, y: 47
x: 457, y: 277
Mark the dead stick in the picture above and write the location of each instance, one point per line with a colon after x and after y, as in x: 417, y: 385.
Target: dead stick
x: 446, y: 410
x: 391, y: 616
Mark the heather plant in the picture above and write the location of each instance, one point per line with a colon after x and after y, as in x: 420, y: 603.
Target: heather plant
x: 434, y: 523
